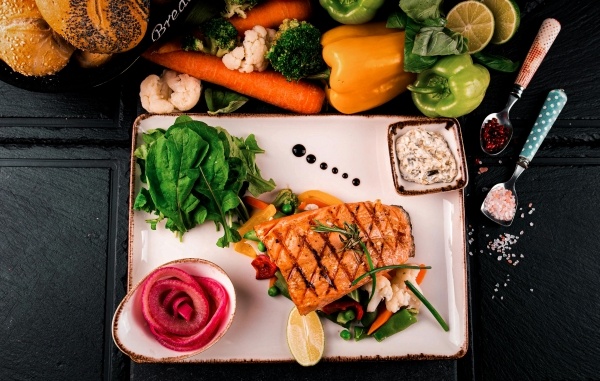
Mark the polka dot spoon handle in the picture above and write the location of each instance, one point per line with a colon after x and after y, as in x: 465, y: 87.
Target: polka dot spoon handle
x: 542, y: 43
x: 555, y: 101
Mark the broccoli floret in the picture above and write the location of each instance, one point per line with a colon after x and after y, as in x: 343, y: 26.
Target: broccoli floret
x: 238, y: 7
x: 217, y: 37
x: 296, y: 50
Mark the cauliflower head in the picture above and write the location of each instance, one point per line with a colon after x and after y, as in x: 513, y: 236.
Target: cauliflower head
x: 251, y: 55
x: 394, y: 292
x: 401, y: 295
x: 383, y: 290
x: 170, y: 92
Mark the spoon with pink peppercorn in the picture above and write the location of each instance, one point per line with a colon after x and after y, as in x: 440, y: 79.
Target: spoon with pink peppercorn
x: 500, y: 204
x: 496, y: 129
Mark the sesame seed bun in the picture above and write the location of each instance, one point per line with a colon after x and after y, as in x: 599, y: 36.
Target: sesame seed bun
x: 98, y: 26
x: 28, y: 45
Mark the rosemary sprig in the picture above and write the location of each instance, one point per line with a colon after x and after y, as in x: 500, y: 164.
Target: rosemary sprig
x: 350, y: 233
x: 350, y: 238
x: 429, y: 306
x: 390, y: 267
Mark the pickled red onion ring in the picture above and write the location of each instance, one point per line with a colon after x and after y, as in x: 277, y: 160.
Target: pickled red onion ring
x: 183, y: 312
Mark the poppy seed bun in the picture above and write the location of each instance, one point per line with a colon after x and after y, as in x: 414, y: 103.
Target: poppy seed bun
x: 98, y: 26
x: 28, y: 45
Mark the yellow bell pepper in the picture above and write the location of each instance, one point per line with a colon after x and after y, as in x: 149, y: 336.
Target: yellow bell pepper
x: 256, y: 218
x: 367, y: 66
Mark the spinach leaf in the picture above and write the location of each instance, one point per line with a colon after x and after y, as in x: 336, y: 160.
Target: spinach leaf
x: 496, y: 62
x: 421, y: 10
x: 438, y: 41
x: 223, y: 101
x: 197, y: 173
x: 171, y: 175
x: 246, y: 151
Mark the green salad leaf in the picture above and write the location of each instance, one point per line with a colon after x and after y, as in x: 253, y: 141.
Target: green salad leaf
x: 196, y: 173
x: 223, y: 101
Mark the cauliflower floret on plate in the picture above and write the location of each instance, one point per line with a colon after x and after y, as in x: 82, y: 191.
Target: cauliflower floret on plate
x: 394, y: 292
x: 251, y: 55
x: 170, y: 92
x: 401, y: 295
x: 383, y: 290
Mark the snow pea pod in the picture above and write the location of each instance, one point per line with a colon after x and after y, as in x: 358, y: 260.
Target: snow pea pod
x: 398, y: 322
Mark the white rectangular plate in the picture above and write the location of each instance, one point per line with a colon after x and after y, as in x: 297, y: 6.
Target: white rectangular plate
x: 358, y: 147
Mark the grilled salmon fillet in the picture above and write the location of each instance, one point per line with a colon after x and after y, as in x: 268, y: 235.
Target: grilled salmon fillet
x: 316, y: 266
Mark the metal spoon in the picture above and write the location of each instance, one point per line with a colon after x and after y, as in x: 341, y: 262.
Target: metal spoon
x: 497, y: 205
x: 542, y: 43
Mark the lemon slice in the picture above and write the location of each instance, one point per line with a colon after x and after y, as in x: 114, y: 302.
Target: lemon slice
x: 475, y: 21
x: 305, y: 337
x: 507, y: 17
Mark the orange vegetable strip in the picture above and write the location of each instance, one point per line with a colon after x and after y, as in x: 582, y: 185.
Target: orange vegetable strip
x: 268, y: 86
x: 272, y: 281
x: 313, y: 201
x: 271, y: 14
x: 421, y: 275
x: 255, y: 202
x: 383, y: 316
x: 169, y: 46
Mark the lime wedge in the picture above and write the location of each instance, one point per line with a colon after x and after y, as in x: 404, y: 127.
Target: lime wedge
x: 507, y: 17
x: 305, y: 337
x: 475, y: 21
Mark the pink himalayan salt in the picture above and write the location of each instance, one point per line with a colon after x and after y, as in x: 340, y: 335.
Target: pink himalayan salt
x: 500, y: 204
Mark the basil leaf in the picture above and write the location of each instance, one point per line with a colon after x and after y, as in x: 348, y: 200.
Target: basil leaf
x: 496, y: 62
x: 421, y: 10
x: 415, y: 63
x: 222, y: 101
x: 397, y: 20
x: 438, y: 41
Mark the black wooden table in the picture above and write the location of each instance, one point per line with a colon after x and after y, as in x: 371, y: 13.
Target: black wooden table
x: 533, y: 287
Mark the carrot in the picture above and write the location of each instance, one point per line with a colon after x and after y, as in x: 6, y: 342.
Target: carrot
x: 255, y: 202
x: 272, y: 281
x: 271, y: 14
x: 383, y: 316
x: 169, y: 46
x: 421, y: 275
x: 268, y: 86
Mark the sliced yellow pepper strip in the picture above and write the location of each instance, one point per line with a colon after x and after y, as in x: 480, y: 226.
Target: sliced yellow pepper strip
x: 258, y: 217
x: 324, y: 197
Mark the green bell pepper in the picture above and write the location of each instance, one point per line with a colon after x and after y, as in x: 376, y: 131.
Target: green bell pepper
x: 352, y: 11
x: 453, y: 87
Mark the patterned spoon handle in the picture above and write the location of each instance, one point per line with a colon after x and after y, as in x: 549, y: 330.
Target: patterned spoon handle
x: 542, y: 43
x: 555, y: 101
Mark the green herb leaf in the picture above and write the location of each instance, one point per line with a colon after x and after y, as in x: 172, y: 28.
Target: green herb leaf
x: 397, y: 20
x: 415, y: 63
x: 421, y: 10
x: 223, y: 101
x: 195, y: 173
x: 496, y: 62
x: 438, y: 41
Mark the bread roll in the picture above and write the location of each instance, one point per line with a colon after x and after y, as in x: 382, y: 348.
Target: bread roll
x: 98, y: 26
x: 28, y: 45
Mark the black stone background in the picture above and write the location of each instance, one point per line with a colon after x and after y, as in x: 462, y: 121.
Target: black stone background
x: 64, y: 178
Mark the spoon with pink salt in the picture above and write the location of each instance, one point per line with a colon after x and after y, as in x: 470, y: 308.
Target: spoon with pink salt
x: 500, y: 204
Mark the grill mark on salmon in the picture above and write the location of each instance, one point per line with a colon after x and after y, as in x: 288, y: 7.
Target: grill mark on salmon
x: 315, y: 265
